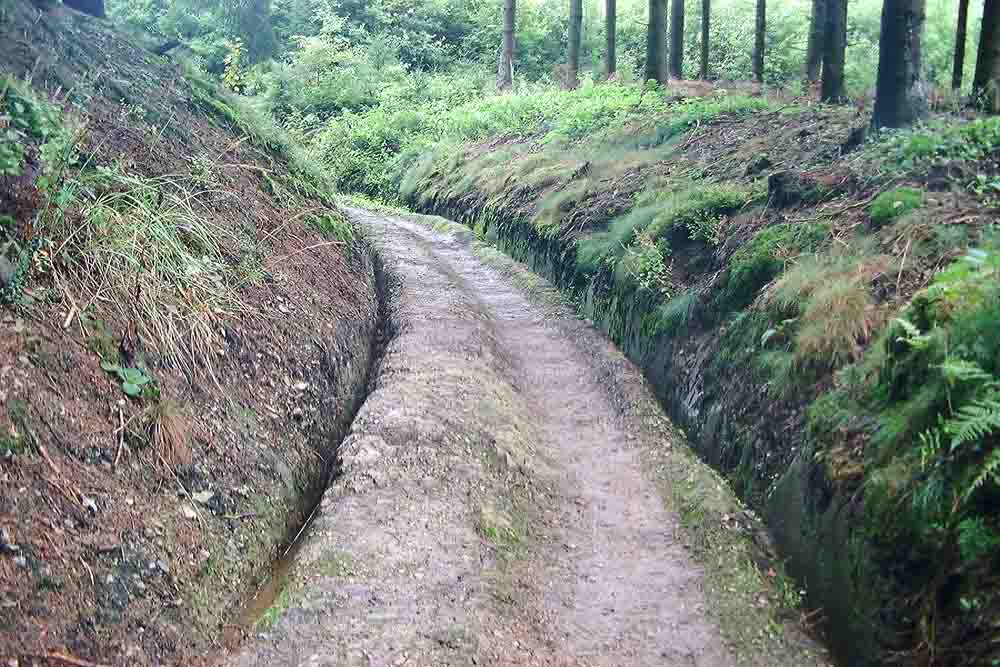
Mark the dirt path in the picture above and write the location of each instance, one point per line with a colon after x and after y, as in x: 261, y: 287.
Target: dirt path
x: 495, y: 506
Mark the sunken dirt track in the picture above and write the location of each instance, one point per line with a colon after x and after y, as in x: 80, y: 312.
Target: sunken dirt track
x: 498, y: 502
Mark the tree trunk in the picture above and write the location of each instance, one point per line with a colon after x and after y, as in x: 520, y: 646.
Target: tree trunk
x: 986, y: 85
x: 706, y: 19
x: 610, y: 27
x: 505, y: 70
x: 817, y: 41
x: 958, y: 63
x: 677, y: 39
x: 575, y: 37
x: 760, y: 32
x: 656, y: 41
x: 899, y: 98
x: 833, y: 52
x: 92, y: 7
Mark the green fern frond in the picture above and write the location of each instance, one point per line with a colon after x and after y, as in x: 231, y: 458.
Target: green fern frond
x: 911, y: 335
x: 974, y: 421
x: 930, y: 447
x: 909, y: 327
x: 957, y: 370
x: 990, y: 469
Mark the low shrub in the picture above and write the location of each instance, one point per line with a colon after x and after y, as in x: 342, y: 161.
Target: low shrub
x: 894, y: 203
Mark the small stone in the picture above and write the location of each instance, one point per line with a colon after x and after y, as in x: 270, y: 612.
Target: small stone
x: 188, y: 512
x: 7, y: 545
x: 301, y: 386
x: 21, y: 562
x: 110, y: 579
x: 203, y: 497
x: 89, y: 504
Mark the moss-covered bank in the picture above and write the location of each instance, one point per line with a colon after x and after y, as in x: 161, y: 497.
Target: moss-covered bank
x: 781, y: 316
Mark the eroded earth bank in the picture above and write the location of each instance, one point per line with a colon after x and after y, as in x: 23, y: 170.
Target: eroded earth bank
x: 511, y: 494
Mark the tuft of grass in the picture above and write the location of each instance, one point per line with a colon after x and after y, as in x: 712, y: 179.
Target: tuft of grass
x: 895, y: 203
x: 593, y: 249
x: 159, y: 258
x: 827, y: 305
x: 837, y: 319
x: 169, y: 434
x: 696, y: 211
x: 334, y: 225
x: 674, y: 316
x: 759, y: 261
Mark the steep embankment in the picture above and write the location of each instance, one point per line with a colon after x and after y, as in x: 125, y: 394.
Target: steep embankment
x: 185, y: 332
x: 782, y: 287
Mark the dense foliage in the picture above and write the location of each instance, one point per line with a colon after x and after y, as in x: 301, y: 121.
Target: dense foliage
x: 448, y: 34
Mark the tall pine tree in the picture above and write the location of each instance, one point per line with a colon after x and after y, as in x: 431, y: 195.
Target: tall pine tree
x: 899, y: 97
x: 656, y: 29
x: 505, y: 70
x: 986, y: 85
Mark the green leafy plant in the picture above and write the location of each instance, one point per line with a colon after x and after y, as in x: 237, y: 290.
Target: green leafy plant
x: 22, y: 115
x: 133, y: 380
x: 894, y: 203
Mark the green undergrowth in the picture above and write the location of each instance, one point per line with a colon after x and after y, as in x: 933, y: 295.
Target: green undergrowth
x: 372, y: 152
x: 895, y: 203
x: 247, y: 116
x: 23, y: 116
x: 819, y: 312
x: 938, y: 142
x: 930, y: 388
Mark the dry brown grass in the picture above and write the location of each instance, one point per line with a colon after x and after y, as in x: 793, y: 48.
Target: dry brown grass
x: 169, y: 435
x: 837, y: 314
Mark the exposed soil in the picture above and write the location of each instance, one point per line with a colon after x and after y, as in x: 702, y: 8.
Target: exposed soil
x: 511, y: 495
x: 117, y: 546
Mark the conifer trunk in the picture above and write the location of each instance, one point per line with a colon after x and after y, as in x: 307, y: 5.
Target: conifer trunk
x: 706, y: 20
x: 575, y: 37
x: 817, y: 41
x: 760, y: 32
x: 899, y: 97
x: 505, y: 70
x: 986, y: 85
x: 958, y: 63
x: 656, y: 30
x: 677, y: 39
x: 610, y: 27
x: 834, y: 48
